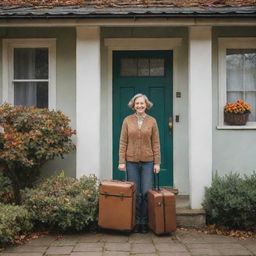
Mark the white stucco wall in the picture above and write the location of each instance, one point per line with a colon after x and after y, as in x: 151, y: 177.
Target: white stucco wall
x: 233, y: 150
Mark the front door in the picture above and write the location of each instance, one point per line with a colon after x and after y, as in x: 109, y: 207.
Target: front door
x: 150, y: 73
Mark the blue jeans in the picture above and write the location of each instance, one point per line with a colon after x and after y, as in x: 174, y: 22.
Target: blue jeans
x: 141, y: 173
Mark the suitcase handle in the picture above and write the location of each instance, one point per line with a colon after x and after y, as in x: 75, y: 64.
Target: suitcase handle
x: 156, y: 184
x: 125, y: 176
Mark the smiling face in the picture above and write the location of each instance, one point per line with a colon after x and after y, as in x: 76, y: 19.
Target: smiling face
x: 140, y: 106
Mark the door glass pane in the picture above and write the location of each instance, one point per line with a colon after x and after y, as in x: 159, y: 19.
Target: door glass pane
x: 143, y: 67
x: 31, y: 94
x: 157, y: 67
x: 128, y: 67
x: 31, y: 63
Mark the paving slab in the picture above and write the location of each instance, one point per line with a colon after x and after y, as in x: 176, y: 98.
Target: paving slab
x: 114, y: 238
x: 143, y: 254
x: 215, y: 246
x: 86, y: 254
x: 124, y: 247
x: 116, y: 254
x: 164, y: 239
x: 140, y: 239
x: 143, y: 248
x: 43, y: 241
x: 91, y: 237
x: 251, y: 247
x: 88, y: 247
x: 171, y: 247
x: 53, y: 250
x: 22, y: 254
x: 26, y: 248
x: 235, y: 252
x: 204, y: 251
x: 174, y: 254
x: 183, y: 243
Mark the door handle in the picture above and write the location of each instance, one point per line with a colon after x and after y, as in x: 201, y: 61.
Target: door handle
x: 170, y: 125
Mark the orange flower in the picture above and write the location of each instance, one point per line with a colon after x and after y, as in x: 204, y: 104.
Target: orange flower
x: 238, y: 107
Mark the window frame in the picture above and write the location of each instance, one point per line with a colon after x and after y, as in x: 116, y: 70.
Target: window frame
x: 8, y: 66
x: 224, y: 44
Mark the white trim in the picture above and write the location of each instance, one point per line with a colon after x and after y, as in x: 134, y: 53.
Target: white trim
x: 223, y: 45
x: 118, y: 44
x: 200, y: 118
x: 8, y: 46
x: 88, y: 92
x: 138, y: 22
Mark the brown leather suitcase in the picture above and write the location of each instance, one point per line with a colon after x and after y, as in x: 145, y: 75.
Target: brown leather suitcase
x: 117, y: 205
x: 161, y: 211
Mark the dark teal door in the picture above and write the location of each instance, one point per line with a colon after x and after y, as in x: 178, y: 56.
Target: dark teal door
x: 150, y: 73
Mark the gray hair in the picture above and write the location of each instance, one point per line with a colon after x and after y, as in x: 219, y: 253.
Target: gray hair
x: 131, y: 103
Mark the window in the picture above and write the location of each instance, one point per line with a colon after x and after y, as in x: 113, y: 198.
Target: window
x: 29, y: 72
x: 237, y: 75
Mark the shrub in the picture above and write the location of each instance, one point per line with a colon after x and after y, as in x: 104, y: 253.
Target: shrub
x: 6, y: 192
x: 30, y: 137
x: 13, y: 221
x: 231, y: 201
x: 64, y: 203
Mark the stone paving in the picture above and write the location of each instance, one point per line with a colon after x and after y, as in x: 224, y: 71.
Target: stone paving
x: 181, y: 243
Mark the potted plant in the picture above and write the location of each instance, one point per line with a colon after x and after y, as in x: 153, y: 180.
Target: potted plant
x: 237, y: 113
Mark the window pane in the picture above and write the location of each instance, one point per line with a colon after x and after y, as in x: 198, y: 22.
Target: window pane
x: 143, y: 67
x: 250, y: 98
x: 234, y: 96
x: 234, y: 70
x: 129, y: 67
x: 250, y: 70
x: 156, y: 67
x: 241, y: 69
x: 30, y: 63
x: 31, y: 94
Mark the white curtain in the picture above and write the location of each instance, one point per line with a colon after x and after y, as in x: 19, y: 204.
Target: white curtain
x: 241, y: 77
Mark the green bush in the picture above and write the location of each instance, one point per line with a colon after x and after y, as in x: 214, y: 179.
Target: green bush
x: 6, y: 191
x: 64, y: 203
x: 231, y: 201
x: 13, y: 221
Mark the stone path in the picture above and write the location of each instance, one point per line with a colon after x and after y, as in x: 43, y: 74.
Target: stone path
x: 182, y: 243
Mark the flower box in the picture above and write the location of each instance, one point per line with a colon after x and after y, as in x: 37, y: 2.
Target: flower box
x: 237, y: 113
x: 235, y: 119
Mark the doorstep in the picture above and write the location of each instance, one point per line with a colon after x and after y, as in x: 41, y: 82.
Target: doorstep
x: 187, y: 217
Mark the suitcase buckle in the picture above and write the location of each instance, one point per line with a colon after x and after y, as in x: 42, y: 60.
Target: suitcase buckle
x: 122, y: 196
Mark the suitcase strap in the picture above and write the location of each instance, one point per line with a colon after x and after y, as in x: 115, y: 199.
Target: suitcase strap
x: 164, y: 211
x: 122, y: 196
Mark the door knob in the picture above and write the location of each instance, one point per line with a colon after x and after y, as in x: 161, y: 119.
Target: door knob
x: 170, y: 125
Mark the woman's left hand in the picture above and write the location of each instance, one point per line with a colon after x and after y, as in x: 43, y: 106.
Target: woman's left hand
x: 156, y: 168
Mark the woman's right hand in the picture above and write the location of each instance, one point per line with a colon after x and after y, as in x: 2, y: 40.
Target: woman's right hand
x: 121, y: 167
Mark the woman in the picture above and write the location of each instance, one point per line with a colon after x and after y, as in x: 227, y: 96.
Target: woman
x: 139, y: 154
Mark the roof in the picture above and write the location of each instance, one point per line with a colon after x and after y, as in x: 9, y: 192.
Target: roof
x: 126, y: 8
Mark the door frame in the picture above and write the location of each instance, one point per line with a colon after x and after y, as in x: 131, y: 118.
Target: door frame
x: 123, y: 44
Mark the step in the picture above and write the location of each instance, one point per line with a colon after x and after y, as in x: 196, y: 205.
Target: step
x: 187, y: 217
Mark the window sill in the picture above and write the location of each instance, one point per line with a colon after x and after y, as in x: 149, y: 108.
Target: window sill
x: 248, y: 126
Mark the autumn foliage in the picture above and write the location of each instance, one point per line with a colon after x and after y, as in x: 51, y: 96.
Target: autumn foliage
x: 31, y: 136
